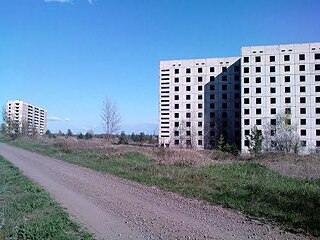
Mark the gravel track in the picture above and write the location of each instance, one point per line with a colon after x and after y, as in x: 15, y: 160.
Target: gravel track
x: 114, y: 208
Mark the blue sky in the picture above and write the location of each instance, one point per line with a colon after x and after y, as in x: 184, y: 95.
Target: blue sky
x: 66, y: 56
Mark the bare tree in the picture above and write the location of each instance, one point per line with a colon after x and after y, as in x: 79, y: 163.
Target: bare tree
x: 282, y: 136
x: 110, y: 117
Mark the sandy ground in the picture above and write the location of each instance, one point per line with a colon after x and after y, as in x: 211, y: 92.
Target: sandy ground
x: 113, y: 208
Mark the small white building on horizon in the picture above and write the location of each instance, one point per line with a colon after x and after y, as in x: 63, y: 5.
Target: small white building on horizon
x: 25, y: 114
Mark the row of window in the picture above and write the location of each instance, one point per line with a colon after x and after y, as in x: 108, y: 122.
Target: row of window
x: 212, y: 115
x: 286, y: 58
x: 274, y: 101
x: 211, y: 69
x: 303, y: 143
x: 273, y: 122
x: 287, y: 68
x: 212, y: 79
x: 286, y: 90
x: 273, y: 111
x: 211, y: 96
x: 224, y: 87
x: 286, y: 79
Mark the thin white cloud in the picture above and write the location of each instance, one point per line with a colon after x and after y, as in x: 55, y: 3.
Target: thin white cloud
x: 58, y: 1
x: 57, y: 119
x: 90, y: 1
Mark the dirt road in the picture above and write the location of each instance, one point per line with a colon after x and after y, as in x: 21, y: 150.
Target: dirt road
x: 113, y: 208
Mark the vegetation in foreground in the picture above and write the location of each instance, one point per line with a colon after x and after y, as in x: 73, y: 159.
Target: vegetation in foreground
x: 28, y: 212
x: 249, y: 187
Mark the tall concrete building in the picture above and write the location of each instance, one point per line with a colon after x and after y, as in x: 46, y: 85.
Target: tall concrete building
x: 200, y: 99
x: 26, y: 115
x: 282, y: 79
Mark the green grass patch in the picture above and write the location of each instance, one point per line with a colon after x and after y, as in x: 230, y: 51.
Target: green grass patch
x: 249, y: 187
x: 28, y: 212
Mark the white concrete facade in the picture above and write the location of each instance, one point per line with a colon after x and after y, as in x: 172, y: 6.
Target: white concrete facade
x: 22, y: 112
x: 196, y: 106
x: 282, y: 79
x: 199, y: 99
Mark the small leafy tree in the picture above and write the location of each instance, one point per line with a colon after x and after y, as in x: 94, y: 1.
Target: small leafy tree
x: 88, y: 135
x: 123, y: 139
x: 80, y: 136
x: 69, y: 133
x: 255, y: 139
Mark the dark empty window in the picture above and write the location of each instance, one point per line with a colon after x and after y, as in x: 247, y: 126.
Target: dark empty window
x: 273, y: 90
x: 188, y: 88
x: 287, y: 78
x: 176, y: 124
x: 212, y: 87
x: 258, y: 111
x: 188, y: 70
x: 246, y: 70
x: 258, y: 101
x: 273, y: 111
x: 317, y: 88
x: 224, y: 96
x: 199, y: 106
x: 188, y: 79
x: 272, y: 100
x: 302, y: 78
x: 211, y: 78
x: 188, y: 97
x: 303, y: 132
x: 258, y: 80
x: 317, y: 110
x: 188, y: 106
x: 176, y: 71
x: 317, y: 56
x: 176, y: 115
x: 286, y: 57
x: 176, y: 97
x: 212, y: 96
x: 303, y: 111
x: 199, y: 70
x: 224, y: 69
x: 302, y: 67
x: 287, y: 68
x: 272, y: 79
x: 258, y: 121
x: 199, y: 88
x: 176, y: 142
x: 317, y: 67
x: 287, y: 100
x: 287, y: 110
x: 302, y: 57
x: 302, y: 89
x: 302, y: 100
x: 176, y: 133
x: 317, y: 78
x: 200, y: 97
x: 258, y: 59
x: 246, y: 90
x: 303, y: 121
x: 258, y: 69
x: 224, y: 87
x: 287, y: 90
x: 246, y: 111
x: 199, y: 79
x: 200, y: 115
x: 273, y: 121
x: 224, y: 78
x: 176, y: 106
x: 246, y: 80
x: 176, y: 88
x: 247, y: 122
x: 317, y: 99
x: 246, y: 59
x: 258, y: 90
x: 212, y: 105
x: 272, y: 58
x: 188, y: 115
x: 211, y: 69
x: 272, y: 69
x: 200, y: 142
x: 246, y: 101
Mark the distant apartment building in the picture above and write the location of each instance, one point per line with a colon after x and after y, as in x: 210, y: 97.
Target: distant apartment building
x: 202, y: 99
x: 28, y: 116
x: 282, y: 79
x: 199, y: 100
